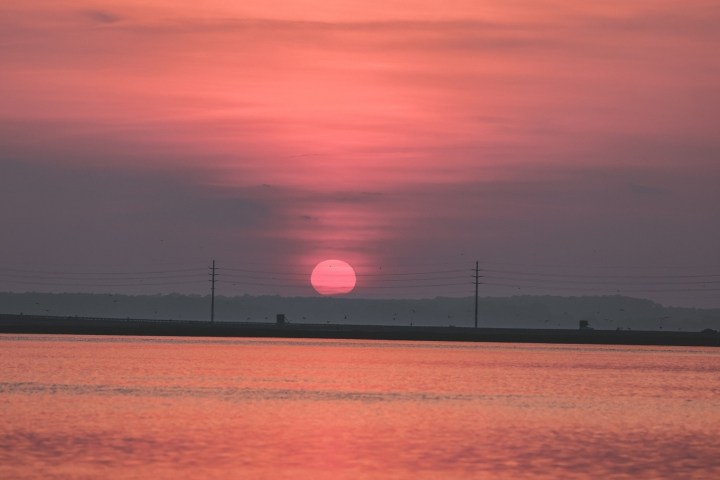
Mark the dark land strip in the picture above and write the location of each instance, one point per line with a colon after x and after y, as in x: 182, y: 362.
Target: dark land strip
x: 29, y: 324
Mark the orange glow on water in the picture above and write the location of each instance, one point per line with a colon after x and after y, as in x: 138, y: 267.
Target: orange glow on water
x: 326, y: 409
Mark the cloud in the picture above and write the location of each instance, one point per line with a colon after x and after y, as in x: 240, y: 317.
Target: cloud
x: 647, y: 189
x: 101, y: 216
x: 101, y: 16
x: 531, y: 131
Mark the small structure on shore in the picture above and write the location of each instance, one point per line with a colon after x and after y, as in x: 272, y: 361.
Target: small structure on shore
x: 280, y: 319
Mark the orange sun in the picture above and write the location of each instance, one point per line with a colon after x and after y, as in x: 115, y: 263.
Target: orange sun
x: 333, y: 277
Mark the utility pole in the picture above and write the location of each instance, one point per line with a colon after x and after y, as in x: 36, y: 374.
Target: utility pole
x: 212, y: 294
x: 477, y: 278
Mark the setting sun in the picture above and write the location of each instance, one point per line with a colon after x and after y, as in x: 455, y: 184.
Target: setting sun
x: 333, y: 277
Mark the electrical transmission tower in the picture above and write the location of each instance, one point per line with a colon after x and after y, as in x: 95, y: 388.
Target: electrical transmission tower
x: 212, y: 292
x: 477, y: 281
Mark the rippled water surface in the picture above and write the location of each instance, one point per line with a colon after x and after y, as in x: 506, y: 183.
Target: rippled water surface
x: 93, y: 407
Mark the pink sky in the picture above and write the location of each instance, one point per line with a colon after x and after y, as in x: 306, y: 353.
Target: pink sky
x: 412, y: 132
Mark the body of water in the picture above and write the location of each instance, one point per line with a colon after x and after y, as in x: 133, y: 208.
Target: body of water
x: 111, y: 407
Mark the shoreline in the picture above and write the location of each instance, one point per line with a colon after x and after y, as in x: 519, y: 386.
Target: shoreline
x: 30, y: 324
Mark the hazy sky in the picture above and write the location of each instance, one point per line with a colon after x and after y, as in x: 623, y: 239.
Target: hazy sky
x: 569, y: 146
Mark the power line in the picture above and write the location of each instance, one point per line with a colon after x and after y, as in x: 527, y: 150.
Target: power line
x: 619, y: 276
x: 360, y: 275
x: 100, y: 278
x: 590, y: 289
x: 603, y: 266
x: 47, y: 272
x: 433, y: 278
x: 368, y: 287
x: 410, y: 280
x: 53, y: 284
x: 437, y: 272
x: 619, y: 282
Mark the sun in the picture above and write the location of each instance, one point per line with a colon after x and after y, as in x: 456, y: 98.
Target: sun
x: 333, y: 277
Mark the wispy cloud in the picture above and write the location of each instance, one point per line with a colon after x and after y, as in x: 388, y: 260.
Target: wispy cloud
x: 101, y: 16
x: 379, y: 129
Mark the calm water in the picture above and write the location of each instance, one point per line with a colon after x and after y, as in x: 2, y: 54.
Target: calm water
x: 90, y: 407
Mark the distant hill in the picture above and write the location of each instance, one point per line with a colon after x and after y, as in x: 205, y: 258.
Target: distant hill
x: 602, y: 312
